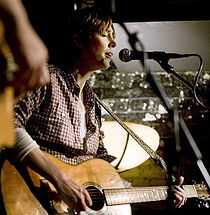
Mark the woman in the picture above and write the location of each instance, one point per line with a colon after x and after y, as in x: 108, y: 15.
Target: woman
x: 63, y: 118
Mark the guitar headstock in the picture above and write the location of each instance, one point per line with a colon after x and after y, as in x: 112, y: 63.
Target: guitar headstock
x: 202, y: 191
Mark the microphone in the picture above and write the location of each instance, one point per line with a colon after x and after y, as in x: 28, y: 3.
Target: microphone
x: 126, y: 55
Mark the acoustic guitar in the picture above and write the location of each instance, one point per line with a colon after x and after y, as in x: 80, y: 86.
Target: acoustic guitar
x: 7, y: 135
x: 104, y: 184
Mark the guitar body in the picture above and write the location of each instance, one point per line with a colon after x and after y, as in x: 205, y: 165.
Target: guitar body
x: 17, y: 197
x: 103, y: 183
x: 96, y: 174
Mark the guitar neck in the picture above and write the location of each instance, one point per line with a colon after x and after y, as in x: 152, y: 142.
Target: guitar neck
x: 142, y: 194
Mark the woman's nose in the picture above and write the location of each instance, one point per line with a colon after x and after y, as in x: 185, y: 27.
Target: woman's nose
x: 112, y: 43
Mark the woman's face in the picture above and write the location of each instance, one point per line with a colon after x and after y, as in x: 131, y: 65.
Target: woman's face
x: 98, y: 53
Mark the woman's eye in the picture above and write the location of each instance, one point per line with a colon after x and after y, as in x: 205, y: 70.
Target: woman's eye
x: 104, y: 34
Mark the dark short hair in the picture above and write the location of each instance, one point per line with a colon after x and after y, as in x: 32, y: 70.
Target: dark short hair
x: 90, y: 20
x: 83, y: 23
x: 57, y: 22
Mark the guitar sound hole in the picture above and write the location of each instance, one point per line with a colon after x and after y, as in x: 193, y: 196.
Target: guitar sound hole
x: 97, y: 198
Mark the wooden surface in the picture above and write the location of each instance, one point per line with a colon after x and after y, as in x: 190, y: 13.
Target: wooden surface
x: 94, y: 172
x: 7, y: 135
x: 18, y: 199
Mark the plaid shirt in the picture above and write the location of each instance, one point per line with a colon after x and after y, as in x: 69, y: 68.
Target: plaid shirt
x: 51, y: 116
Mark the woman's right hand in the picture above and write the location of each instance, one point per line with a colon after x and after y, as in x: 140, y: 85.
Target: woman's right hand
x: 74, y: 195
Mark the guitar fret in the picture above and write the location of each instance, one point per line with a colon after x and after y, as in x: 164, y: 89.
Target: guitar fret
x: 131, y: 195
x: 190, y: 191
x: 146, y: 194
x: 163, y: 194
x: 154, y: 195
x: 122, y: 196
x: 139, y: 197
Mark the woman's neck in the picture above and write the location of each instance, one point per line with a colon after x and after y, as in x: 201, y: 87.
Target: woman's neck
x: 81, y: 80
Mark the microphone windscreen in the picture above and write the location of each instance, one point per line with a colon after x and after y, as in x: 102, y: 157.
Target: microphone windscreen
x: 124, y: 55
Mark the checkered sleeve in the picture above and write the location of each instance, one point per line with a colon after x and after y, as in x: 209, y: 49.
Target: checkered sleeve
x: 27, y: 104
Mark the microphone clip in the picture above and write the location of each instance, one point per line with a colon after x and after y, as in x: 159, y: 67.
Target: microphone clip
x: 164, y: 64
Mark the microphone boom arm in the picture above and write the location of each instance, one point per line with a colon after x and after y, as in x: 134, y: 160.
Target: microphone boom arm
x: 170, y: 69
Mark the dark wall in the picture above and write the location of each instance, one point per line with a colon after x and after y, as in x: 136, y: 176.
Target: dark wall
x: 164, y: 10
x: 50, y: 20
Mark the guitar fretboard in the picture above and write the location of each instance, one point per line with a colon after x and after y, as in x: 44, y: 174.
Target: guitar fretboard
x: 142, y: 194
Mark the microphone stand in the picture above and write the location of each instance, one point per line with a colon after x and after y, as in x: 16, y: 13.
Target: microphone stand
x: 162, y: 95
x: 173, y: 153
x: 169, y: 69
x: 173, y: 115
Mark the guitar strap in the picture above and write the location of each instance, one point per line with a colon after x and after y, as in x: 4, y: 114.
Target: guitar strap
x: 157, y: 158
